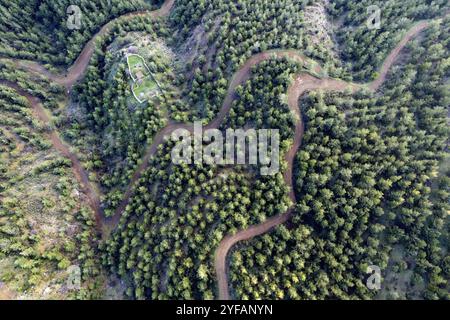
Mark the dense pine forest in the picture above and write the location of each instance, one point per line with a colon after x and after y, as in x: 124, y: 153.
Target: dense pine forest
x: 39, y: 30
x: 86, y: 172
x: 45, y: 224
x: 368, y: 177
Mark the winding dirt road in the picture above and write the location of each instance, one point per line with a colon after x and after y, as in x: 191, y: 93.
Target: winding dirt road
x: 78, y: 69
x: 78, y: 170
x: 389, y: 61
x: 303, y: 83
x: 241, y: 76
x: 75, y: 73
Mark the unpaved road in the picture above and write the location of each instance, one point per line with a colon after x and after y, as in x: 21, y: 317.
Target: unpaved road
x: 68, y: 79
x: 242, y: 75
x: 78, y: 170
x: 392, y: 57
x: 78, y: 69
x: 303, y: 83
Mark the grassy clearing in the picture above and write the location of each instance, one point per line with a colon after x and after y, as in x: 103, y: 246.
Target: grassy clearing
x: 144, y: 86
x: 138, y: 68
x: 145, y: 90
